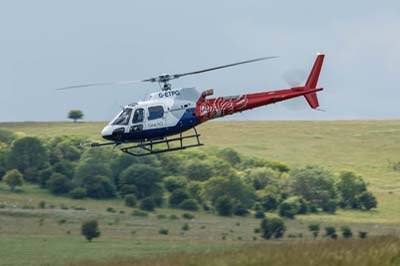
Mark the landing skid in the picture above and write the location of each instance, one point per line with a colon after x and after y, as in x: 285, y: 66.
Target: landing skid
x: 150, y: 146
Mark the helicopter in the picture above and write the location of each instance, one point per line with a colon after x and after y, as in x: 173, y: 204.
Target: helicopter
x: 156, y: 124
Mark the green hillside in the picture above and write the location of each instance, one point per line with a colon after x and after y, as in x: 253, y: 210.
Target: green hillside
x: 366, y: 147
x: 31, y: 235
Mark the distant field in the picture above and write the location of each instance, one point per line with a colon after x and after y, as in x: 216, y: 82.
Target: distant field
x: 51, y: 236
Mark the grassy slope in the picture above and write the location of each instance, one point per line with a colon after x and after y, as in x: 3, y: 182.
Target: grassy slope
x: 363, y: 146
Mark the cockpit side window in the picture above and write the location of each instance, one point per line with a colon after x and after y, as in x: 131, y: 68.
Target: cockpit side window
x: 123, y: 118
x: 155, y: 112
x: 138, y: 116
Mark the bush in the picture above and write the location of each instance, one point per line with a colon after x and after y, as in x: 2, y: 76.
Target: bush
x: 59, y: 184
x: 147, y: 204
x: 185, y: 227
x: 346, y: 232
x: 269, y: 202
x: 289, y: 207
x: 188, y: 216
x: 199, y: 170
x: 13, y: 178
x: 189, y: 205
x: 259, y: 214
x: 139, y: 213
x: 78, y: 193
x: 163, y: 231
x: 111, y: 209
x: 362, y: 234
x: 272, y: 227
x: 229, y: 155
x: 44, y: 176
x: 314, y: 228
x: 330, y: 231
x: 239, y: 210
x: 224, y: 206
x: 130, y: 200
x: 329, y: 206
x: 367, y: 201
x: 177, y: 197
x: 90, y: 229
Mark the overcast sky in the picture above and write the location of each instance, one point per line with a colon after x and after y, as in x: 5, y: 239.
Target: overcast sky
x: 50, y: 44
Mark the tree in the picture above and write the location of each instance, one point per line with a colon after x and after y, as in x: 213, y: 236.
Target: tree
x: 232, y: 187
x: 13, y: 178
x: 199, y: 170
x: 130, y: 200
x: 367, y: 201
x: 314, y: 228
x: 229, y: 155
x: 260, y: 177
x: 75, y: 115
x: 90, y: 229
x: 362, y: 234
x: 27, y: 153
x: 349, y: 186
x: 314, y: 184
x: 346, y: 232
x: 224, y: 206
x: 145, y: 177
x: 172, y: 183
x: 272, y: 227
x: 6, y: 136
x: 59, y: 184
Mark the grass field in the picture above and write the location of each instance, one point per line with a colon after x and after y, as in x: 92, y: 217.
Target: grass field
x: 51, y: 236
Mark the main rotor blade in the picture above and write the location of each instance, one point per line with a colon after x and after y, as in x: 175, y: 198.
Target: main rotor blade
x: 100, y: 84
x: 224, y: 66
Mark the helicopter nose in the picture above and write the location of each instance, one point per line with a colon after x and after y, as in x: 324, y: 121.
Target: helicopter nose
x: 106, y: 133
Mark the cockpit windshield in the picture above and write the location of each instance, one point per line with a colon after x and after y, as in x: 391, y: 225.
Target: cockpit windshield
x: 123, y: 118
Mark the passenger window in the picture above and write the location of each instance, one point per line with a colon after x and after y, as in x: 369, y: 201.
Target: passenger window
x: 138, y: 116
x: 155, y: 112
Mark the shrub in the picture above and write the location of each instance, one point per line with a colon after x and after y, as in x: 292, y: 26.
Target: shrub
x: 224, y: 206
x: 272, y: 227
x: 189, y: 205
x: 147, y: 204
x: 172, y: 183
x: 239, y: 210
x: 185, y: 227
x: 78, y: 193
x: 330, y: 231
x: 111, y: 209
x: 289, y: 207
x: 269, y: 202
x: 130, y: 200
x: 13, y: 178
x: 188, y: 216
x: 367, y: 201
x: 42, y: 204
x: 43, y: 176
x: 229, y: 155
x: 329, y: 206
x: 259, y: 214
x: 139, y: 213
x: 314, y: 228
x: 362, y: 234
x: 161, y: 216
x: 90, y: 229
x: 199, y: 170
x: 173, y: 217
x: 59, y: 184
x: 177, y: 197
x: 163, y: 231
x: 346, y: 232
x: 349, y: 186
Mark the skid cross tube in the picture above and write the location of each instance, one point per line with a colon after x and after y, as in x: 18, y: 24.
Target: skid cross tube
x: 148, y: 146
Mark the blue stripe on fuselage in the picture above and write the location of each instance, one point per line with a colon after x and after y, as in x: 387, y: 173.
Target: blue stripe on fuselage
x: 188, y: 121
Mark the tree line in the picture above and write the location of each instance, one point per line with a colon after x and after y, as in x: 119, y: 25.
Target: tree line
x: 221, y: 181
